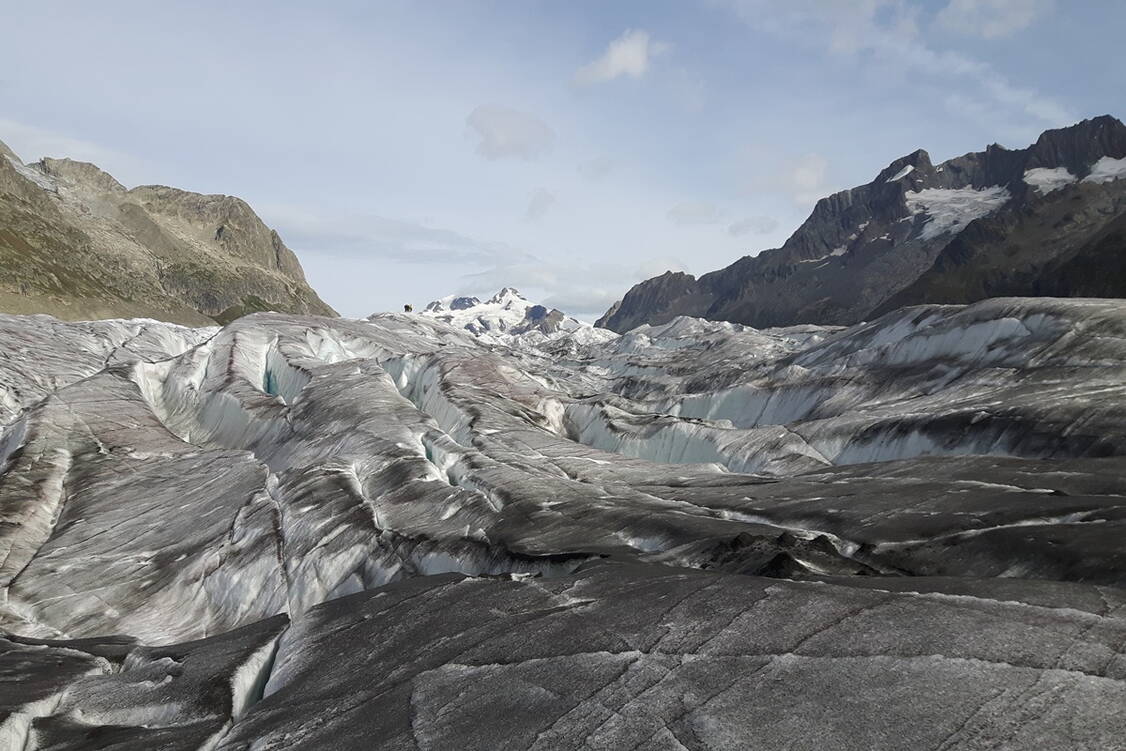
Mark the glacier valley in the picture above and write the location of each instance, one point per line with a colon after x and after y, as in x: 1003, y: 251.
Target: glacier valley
x: 393, y: 533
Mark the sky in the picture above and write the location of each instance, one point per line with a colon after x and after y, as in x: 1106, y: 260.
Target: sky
x: 410, y: 150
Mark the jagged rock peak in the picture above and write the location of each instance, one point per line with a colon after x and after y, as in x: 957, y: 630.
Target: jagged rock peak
x: 80, y: 173
x: 507, y: 295
x: 1078, y: 146
x: 917, y: 160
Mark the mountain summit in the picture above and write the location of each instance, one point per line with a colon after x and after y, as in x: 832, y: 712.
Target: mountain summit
x: 1049, y: 219
x: 505, y: 314
x: 75, y: 243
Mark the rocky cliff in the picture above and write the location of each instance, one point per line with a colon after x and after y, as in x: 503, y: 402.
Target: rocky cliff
x: 1045, y: 220
x: 75, y: 243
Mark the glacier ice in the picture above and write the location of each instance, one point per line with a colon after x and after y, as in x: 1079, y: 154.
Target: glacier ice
x: 574, y: 530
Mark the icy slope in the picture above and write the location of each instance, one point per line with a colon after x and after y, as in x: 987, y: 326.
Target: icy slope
x: 635, y: 533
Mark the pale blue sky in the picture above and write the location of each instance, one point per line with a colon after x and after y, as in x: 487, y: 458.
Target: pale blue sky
x: 409, y: 150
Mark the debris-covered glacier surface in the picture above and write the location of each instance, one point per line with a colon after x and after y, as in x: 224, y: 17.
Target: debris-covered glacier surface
x: 319, y: 533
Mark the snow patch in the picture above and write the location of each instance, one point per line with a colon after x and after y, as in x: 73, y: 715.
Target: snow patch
x: 1106, y: 170
x: 950, y: 210
x: 45, y: 182
x: 902, y: 173
x: 1046, y: 180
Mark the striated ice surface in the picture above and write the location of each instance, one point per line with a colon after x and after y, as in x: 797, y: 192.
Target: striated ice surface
x: 694, y: 535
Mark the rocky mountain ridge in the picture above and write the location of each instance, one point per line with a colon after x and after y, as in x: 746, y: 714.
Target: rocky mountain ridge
x: 1039, y: 220
x: 76, y: 243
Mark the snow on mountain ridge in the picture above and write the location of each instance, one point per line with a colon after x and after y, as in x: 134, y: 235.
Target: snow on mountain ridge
x: 950, y: 210
x: 1106, y: 170
x: 509, y: 314
x: 1045, y: 180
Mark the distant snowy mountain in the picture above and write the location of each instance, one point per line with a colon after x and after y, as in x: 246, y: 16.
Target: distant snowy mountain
x: 507, y: 314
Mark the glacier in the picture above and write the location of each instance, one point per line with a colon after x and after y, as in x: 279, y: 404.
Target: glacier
x: 304, y: 532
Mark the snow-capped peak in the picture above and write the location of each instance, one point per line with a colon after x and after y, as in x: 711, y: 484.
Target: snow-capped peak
x: 508, y: 296
x: 505, y: 315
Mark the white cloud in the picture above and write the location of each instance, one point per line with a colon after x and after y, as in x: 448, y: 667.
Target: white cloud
x: 695, y: 212
x: 542, y: 200
x: 991, y: 19
x: 758, y: 225
x: 597, y: 168
x: 628, y: 55
x: 505, y: 132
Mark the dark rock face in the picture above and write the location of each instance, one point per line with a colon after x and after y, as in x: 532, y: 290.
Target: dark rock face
x: 1071, y: 244
x: 998, y: 222
x: 462, y: 303
x: 538, y: 318
x: 75, y: 243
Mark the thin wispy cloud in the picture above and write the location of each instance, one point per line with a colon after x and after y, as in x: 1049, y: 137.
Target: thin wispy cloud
x: 371, y: 236
x: 539, y: 204
x: 888, y: 33
x: 991, y: 19
x: 753, y: 225
x: 597, y: 168
x: 695, y: 212
x: 807, y: 179
x: 503, y: 132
